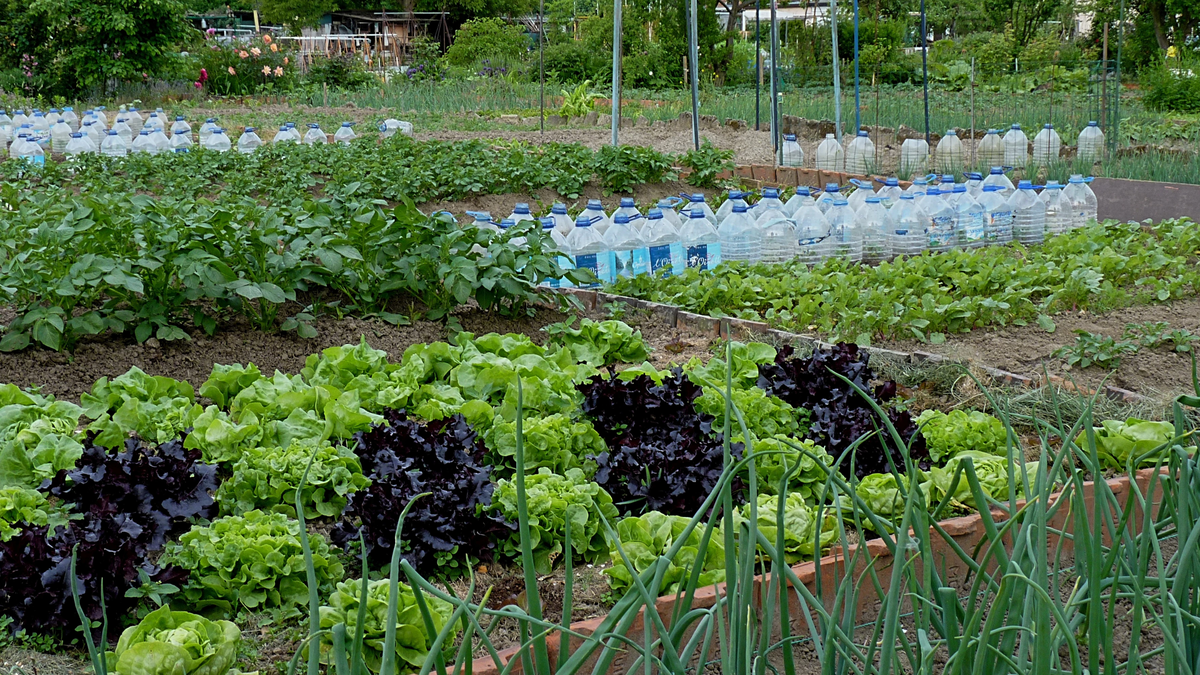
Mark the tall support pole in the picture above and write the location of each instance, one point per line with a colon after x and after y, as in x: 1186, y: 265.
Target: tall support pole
x: 694, y: 55
x: 925, y: 69
x: 775, y: 138
x: 541, y: 62
x: 857, y: 102
x: 758, y: 64
x: 1115, y: 135
x: 837, y: 74
x: 616, y: 74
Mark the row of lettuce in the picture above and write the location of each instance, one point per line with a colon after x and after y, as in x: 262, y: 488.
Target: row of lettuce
x: 165, y: 500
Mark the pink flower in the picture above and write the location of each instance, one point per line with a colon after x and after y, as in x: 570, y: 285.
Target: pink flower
x: 232, y: 71
x: 285, y: 60
x: 211, y: 31
x: 203, y: 75
x: 267, y: 39
x: 278, y: 71
x: 196, y: 85
x: 266, y: 70
x: 256, y: 51
x: 243, y: 54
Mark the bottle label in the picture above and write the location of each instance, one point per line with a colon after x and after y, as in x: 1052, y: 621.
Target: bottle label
x: 640, y: 258
x: 941, y: 232
x: 1000, y: 225
x: 593, y: 262
x: 36, y: 160
x: 973, y: 228
x: 181, y: 150
x: 660, y: 260
x: 678, y: 258
x: 704, y: 256
x: 566, y: 264
x: 623, y: 263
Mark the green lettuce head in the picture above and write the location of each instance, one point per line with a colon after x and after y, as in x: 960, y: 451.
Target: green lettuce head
x: 176, y: 643
x: 1118, y: 443
x: 412, y: 640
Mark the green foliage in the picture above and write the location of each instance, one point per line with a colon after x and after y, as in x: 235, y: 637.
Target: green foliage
x: 343, y: 71
x: 992, y: 472
x: 745, y: 357
x: 579, y: 101
x: 37, y: 437
x: 802, y: 529
x: 413, y: 642
x: 647, y: 537
x: 765, y: 415
x: 779, y: 457
x: 240, y: 68
x: 947, y: 435
x: 1171, y: 88
x: 1153, y: 334
x: 266, y: 479
x: 157, y: 409
x: 1099, y: 350
x: 599, y: 343
x: 571, y: 61
x: 706, y: 164
x: 487, y: 38
x: 882, y: 495
x: 1120, y: 444
x: 553, y: 442
x: 252, y: 562
x: 170, y: 643
x: 26, y: 506
x: 296, y: 14
x: 552, y: 500
x: 623, y: 167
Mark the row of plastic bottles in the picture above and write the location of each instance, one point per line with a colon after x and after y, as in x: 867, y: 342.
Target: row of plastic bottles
x: 866, y: 225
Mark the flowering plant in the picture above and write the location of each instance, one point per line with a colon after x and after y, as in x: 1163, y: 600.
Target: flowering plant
x: 234, y: 69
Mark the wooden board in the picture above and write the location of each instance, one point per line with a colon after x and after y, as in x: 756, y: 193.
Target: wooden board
x: 1138, y: 200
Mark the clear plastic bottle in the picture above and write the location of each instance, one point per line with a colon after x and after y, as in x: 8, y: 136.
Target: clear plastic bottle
x: 114, y: 145
x: 931, y: 193
x: 832, y: 193
x: 667, y: 256
x: 667, y: 206
x: 873, y: 223
x: 998, y: 178
x: 741, y: 238
x: 345, y: 134
x: 860, y: 154
x: 19, y: 118
x: 78, y: 145
x: 587, y: 251
x: 206, y: 130
x: 39, y: 123
x: 60, y: 136
x: 1083, y: 201
x: 631, y: 257
x: 889, y: 194
x: 793, y: 154
x: 596, y: 215
x: 92, y: 132
x: 135, y: 120
x: 914, y: 156
x: 218, y: 141
x: 950, y: 152
x: 974, y: 184
x: 991, y: 149
x: 124, y: 131
x: 946, y: 186
x: 154, y: 122
x: 968, y: 219
x: 779, y: 242
x: 562, y: 222
x: 998, y: 216
x: 701, y: 242
x: 830, y: 155
x: 71, y: 118
x: 180, y: 126
x: 940, y: 229
x: 696, y: 199
x: 143, y: 144
x: 29, y: 151
x: 557, y: 242
x: 161, y: 142
x: 629, y: 208
x: 315, y: 135
x: 294, y: 133
x: 862, y: 190
x: 919, y: 186
x: 801, y: 197
x: 390, y: 127
x: 1029, y: 215
x: 1046, y: 146
x: 284, y: 135
x: 181, y: 143
x: 907, y: 224
x: 814, y: 244
x: 249, y: 141
x: 520, y: 213
x: 1016, y: 148
x: 843, y: 231
x: 726, y: 208
x: 1091, y: 143
x: 5, y: 138
x: 768, y: 208
x: 1058, y: 210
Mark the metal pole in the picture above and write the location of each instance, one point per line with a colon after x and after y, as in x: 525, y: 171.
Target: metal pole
x: 694, y: 51
x: 837, y: 76
x: 1116, y: 114
x: 757, y: 68
x: 616, y: 74
x: 925, y: 69
x: 973, y: 143
x: 857, y: 104
x: 1104, y: 80
x: 775, y: 144
x: 541, y: 62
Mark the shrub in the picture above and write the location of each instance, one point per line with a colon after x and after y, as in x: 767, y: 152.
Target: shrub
x: 571, y: 62
x: 487, y: 38
x: 245, y: 68
x: 344, y: 71
x: 1172, y: 89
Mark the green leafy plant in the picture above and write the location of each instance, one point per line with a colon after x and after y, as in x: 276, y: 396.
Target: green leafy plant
x: 781, y: 456
x: 707, y: 164
x: 1133, y: 441
x: 806, y: 530
x: 623, y: 167
x: 645, y: 538
x: 37, y: 437
x: 157, y: 409
x: 600, y: 343
x: 947, y: 435
x: 20, y: 506
x: 991, y: 472
x: 766, y: 415
x: 553, y: 442
x: 1153, y: 334
x: 169, y: 643
x: 1099, y: 350
x: 266, y: 479
x: 251, y: 562
x: 579, y: 101
x: 157, y: 592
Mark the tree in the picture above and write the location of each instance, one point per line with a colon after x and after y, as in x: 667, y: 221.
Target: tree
x: 296, y: 14
x: 79, y: 45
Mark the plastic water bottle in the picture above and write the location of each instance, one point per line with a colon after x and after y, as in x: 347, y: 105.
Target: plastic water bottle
x: 779, y: 241
x: 155, y: 122
x: 832, y: 193
x: 345, y: 134
x: 741, y: 238
x: 667, y: 256
x: 1058, y: 210
x: 860, y: 154
x: 793, y: 154
x: 134, y: 119
x: 249, y: 141
x: 588, y: 251
x: 991, y: 149
x: 814, y: 244
x: 968, y: 219
x: 630, y: 257
x: 206, y: 130
x: 284, y: 135
x: 160, y: 140
x: 974, y: 184
x: 596, y: 215
x: 931, y: 193
x: 998, y: 178
x: 124, y: 131
x: 701, y: 242
x: 997, y: 216
x: 1016, y: 147
x: 557, y: 242
x: 907, y: 224
x: 60, y: 136
x: 946, y: 186
x: 71, y: 118
x: 39, y: 123
x: 628, y: 208
x: 940, y: 228
x: 143, y: 144
x: 93, y: 133
x: 873, y: 223
x: 830, y: 156
x: 696, y: 199
x: 483, y: 220
x: 890, y: 193
x: 78, y: 145
x: 218, y: 141
x: 667, y: 206
x: 562, y: 222
x: 181, y: 143
x: 914, y: 156
x: 950, y: 152
x: 919, y: 186
x: 846, y: 237
x: 1046, y: 146
x: 1083, y: 201
x: 1091, y: 143
x: 390, y: 126
x: 19, y: 118
x: 768, y: 208
x: 315, y: 135
x: 180, y: 126
x: 114, y: 145
x: 800, y: 198
x: 1029, y: 215
x: 520, y: 213
x: 862, y: 190
x: 29, y: 151
x: 726, y: 208
x: 100, y: 114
